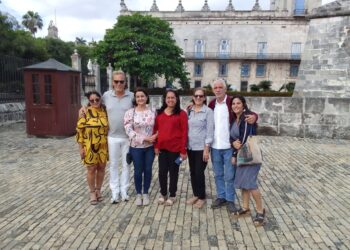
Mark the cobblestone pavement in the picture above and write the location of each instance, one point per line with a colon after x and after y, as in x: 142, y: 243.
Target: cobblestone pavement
x: 44, y: 202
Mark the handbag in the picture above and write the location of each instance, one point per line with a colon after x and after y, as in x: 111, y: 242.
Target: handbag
x: 128, y: 154
x: 128, y: 157
x: 250, y: 153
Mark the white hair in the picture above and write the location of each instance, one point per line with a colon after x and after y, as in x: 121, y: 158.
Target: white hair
x: 219, y: 81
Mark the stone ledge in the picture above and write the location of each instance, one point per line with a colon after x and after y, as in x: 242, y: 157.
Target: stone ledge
x: 12, y: 112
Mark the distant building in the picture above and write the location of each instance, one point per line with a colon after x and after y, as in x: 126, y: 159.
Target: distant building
x: 52, y: 31
x: 242, y: 47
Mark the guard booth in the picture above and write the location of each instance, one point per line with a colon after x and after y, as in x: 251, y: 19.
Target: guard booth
x: 52, y: 98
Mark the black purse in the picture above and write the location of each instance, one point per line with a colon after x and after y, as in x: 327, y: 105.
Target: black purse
x: 128, y: 155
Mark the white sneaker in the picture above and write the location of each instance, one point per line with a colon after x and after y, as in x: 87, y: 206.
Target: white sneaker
x: 125, y: 197
x: 138, y: 201
x: 114, y: 199
x: 145, y: 200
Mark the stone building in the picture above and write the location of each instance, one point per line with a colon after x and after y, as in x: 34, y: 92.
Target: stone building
x: 242, y: 47
x: 52, y: 30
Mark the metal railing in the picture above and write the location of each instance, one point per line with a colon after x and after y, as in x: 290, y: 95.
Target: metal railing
x: 11, y: 78
x: 299, y: 12
x: 241, y: 56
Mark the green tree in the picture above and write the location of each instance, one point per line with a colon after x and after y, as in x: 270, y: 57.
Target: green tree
x: 144, y: 47
x: 80, y: 41
x: 32, y: 21
x: 58, y: 49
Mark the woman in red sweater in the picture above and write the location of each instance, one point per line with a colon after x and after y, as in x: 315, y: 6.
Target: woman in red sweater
x: 172, y: 128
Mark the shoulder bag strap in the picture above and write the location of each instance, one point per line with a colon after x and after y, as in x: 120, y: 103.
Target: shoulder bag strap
x: 245, y: 133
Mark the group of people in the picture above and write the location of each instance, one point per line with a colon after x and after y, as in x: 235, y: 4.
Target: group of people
x: 120, y: 122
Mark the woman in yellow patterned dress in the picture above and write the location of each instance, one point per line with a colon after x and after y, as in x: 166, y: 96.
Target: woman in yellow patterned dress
x: 92, y: 139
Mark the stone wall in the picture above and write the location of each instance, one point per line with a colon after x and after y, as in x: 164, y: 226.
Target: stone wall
x: 324, y: 69
x: 296, y: 116
x: 321, y: 117
x: 12, y: 112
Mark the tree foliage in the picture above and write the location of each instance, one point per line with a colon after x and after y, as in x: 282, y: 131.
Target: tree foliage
x: 289, y: 87
x: 254, y: 88
x: 265, y: 85
x: 144, y: 47
x: 32, y: 21
x: 80, y: 41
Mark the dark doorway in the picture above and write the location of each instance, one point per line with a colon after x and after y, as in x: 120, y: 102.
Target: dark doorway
x: 244, y: 86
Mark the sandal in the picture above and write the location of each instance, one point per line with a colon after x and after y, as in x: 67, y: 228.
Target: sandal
x: 161, y: 200
x: 170, y: 201
x: 242, y: 212
x: 93, y: 199
x: 199, y: 204
x: 259, y: 219
x: 192, y: 200
x: 98, y: 195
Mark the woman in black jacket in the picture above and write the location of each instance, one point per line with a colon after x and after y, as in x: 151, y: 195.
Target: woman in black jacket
x: 246, y: 176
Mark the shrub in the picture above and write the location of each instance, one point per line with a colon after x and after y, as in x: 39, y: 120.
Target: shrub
x: 265, y: 85
x: 254, y: 88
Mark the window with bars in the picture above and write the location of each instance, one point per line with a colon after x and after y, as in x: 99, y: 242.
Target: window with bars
x: 294, y: 70
x: 260, y: 70
x: 245, y: 69
x: 198, y: 69
x: 222, y: 69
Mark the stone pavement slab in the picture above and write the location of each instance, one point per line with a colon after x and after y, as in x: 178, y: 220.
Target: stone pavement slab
x: 44, y: 201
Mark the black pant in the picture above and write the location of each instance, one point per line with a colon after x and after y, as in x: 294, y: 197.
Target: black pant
x: 167, y: 165
x: 197, y: 168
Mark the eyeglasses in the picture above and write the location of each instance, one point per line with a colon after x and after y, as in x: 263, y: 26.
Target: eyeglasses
x: 97, y: 100
x: 198, y: 96
x: 116, y: 82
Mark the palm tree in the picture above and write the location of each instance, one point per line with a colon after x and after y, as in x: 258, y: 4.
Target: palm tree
x: 32, y: 21
x: 80, y: 41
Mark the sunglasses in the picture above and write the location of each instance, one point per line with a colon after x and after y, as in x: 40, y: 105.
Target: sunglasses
x: 116, y: 82
x: 198, y: 96
x: 97, y: 100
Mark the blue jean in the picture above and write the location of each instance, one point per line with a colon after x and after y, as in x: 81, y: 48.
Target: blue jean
x: 224, y: 173
x: 143, y: 161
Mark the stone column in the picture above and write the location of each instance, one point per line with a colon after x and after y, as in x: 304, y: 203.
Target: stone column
x: 109, y: 76
x: 96, y: 69
x: 76, y: 64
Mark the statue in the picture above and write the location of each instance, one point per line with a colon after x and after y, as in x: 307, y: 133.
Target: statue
x: 90, y: 68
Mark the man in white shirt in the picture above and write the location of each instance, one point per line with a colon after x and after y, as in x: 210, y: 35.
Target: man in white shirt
x: 221, y: 151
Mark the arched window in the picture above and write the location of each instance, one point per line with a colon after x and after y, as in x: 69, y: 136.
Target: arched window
x: 224, y: 48
x: 199, y: 48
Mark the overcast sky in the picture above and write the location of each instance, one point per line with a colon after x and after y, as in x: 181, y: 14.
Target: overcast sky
x: 90, y: 18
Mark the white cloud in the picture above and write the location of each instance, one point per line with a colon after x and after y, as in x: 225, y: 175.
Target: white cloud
x: 90, y: 18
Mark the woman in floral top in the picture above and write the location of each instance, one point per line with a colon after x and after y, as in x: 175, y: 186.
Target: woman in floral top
x: 139, y: 123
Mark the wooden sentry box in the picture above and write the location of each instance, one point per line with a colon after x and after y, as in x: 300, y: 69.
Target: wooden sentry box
x: 52, y: 98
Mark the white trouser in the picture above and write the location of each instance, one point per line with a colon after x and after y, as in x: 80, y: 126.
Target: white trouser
x: 118, y: 148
